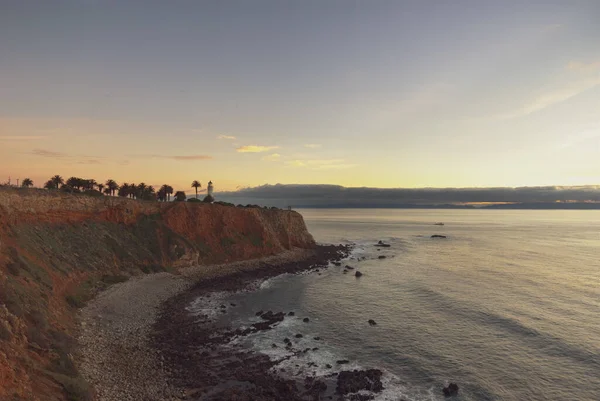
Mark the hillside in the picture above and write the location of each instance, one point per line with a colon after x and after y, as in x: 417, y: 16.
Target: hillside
x: 57, y: 250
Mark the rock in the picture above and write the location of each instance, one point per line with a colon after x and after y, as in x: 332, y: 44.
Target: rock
x: 342, y: 361
x: 306, y: 320
x: 438, y: 236
x: 381, y: 257
x: 287, y: 340
x: 317, y: 338
x: 274, y: 345
x: 232, y: 304
x: 345, y: 271
x: 349, y: 267
x: 358, y: 274
x: 291, y: 314
x: 358, y: 380
x: 328, y: 366
x: 451, y: 390
x: 259, y: 313
x: 382, y: 244
x: 223, y: 307
x: 299, y: 335
x: 337, y: 263
x: 372, y: 322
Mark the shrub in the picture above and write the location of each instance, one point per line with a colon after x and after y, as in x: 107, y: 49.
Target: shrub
x: 113, y: 279
x: 208, y: 199
x: 5, y: 333
x: 180, y: 196
x: 194, y: 200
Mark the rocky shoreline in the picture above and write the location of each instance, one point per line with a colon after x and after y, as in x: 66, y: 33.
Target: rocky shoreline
x: 138, y: 342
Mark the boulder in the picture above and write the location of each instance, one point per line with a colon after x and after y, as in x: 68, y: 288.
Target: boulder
x: 342, y: 361
x: 349, y: 267
x: 451, y: 390
x: 291, y: 314
x: 349, y: 382
x: 438, y: 236
x: 306, y: 320
x: 358, y: 274
x: 299, y: 335
x: 381, y: 257
x: 372, y: 322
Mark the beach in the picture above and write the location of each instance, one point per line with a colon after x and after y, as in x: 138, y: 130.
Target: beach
x: 136, y: 338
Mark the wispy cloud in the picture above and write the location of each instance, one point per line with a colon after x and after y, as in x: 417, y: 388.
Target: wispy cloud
x: 255, y: 149
x: 89, y: 161
x: 584, y: 67
x: 272, y: 158
x: 227, y: 137
x: 551, y: 98
x: 48, y: 153
x: 21, y: 137
x: 312, y: 145
x: 323, y: 164
x: 174, y: 157
x: 190, y: 157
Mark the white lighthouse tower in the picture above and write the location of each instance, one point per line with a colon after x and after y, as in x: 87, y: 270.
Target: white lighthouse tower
x: 210, y: 189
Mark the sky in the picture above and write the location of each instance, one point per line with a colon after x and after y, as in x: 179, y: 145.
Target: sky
x: 377, y: 93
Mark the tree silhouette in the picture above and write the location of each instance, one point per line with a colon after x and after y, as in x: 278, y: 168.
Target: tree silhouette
x: 180, y: 196
x: 49, y: 185
x: 169, y: 192
x: 27, y: 182
x: 106, y: 190
x: 112, y: 185
x: 57, y: 181
x: 196, y: 184
x: 100, y: 187
x: 124, y: 190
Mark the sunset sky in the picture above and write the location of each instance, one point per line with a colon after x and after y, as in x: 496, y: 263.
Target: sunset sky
x: 355, y: 93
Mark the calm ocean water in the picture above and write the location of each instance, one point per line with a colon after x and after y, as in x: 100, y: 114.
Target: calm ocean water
x: 508, y: 306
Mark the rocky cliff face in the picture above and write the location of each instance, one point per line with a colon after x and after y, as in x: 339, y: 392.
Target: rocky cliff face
x: 55, y: 249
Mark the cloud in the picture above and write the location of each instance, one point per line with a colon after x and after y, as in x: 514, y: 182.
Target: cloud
x: 191, y: 157
x: 90, y: 161
x: 338, y: 196
x: 272, y: 158
x: 228, y: 137
x: 583, y: 67
x: 312, y: 145
x: 174, y: 157
x: 552, y: 98
x: 47, y: 153
x: 255, y: 148
x: 321, y: 164
x: 21, y: 138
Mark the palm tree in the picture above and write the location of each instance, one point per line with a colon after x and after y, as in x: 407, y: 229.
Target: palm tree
x: 196, y: 184
x: 27, y: 182
x: 169, y: 192
x: 50, y: 185
x: 124, y: 190
x: 57, y: 180
x: 112, y: 185
x: 166, y: 190
x: 132, y: 191
x: 106, y: 190
x: 100, y: 187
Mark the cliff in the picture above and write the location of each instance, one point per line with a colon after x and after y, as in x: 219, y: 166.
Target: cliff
x: 57, y: 249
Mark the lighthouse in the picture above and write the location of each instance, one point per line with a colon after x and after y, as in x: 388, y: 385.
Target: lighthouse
x: 210, y: 189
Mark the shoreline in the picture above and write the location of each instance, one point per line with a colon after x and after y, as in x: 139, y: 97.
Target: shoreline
x: 131, y: 332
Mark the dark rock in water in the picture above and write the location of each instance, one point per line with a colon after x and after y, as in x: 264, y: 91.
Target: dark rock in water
x: 274, y: 345
x: 438, y: 224
x: 381, y: 257
x: 316, y: 338
x: 345, y: 271
x: 291, y: 314
x: 287, y: 340
x: 451, y: 390
x: 357, y: 380
x: 306, y: 320
x: 299, y: 336
x: 337, y: 263
x: 372, y: 322
x: 259, y: 313
x: 232, y: 304
x: 315, y: 349
x: 349, y: 267
x: 358, y: 274
x: 223, y: 307
x: 342, y: 361
x: 382, y: 245
x: 438, y: 236
x: 328, y: 366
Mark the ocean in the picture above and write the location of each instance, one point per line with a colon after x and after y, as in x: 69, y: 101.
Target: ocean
x: 507, y: 305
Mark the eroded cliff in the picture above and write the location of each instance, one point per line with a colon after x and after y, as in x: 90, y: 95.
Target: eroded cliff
x: 55, y: 249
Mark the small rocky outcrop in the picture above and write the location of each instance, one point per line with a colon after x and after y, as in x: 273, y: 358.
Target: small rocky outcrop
x: 342, y: 361
x: 381, y: 257
x: 306, y: 320
x: 382, y: 244
x: 372, y: 322
x: 358, y: 380
x: 438, y: 236
x: 451, y: 390
x: 358, y: 274
x: 349, y: 267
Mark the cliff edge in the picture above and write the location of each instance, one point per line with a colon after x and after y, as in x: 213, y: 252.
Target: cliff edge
x: 57, y: 249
